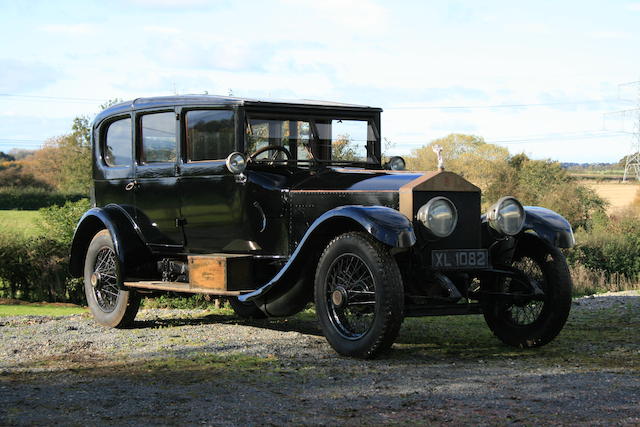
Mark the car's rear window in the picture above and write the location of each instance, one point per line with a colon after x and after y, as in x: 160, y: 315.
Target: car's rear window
x: 117, y: 148
x: 210, y: 134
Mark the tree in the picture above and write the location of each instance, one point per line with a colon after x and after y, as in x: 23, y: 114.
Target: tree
x: 64, y: 162
x: 20, y: 153
x: 467, y: 155
x: 532, y: 182
x: 344, y: 149
x: 6, y: 157
x: 12, y: 175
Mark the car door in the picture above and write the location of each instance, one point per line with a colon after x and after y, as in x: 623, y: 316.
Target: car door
x: 113, y: 167
x: 213, y: 203
x: 156, y: 195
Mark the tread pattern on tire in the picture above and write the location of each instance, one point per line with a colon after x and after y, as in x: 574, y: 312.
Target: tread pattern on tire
x: 388, y: 271
x: 558, y: 277
x: 125, y: 315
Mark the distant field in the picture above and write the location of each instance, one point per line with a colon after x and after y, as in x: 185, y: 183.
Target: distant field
x: 605, y: 175
x: 619, y: 195
x: 19, y: 222
x: 598, y: 176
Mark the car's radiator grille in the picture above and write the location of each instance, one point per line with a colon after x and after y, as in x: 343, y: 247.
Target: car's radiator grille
x: 467, y: 232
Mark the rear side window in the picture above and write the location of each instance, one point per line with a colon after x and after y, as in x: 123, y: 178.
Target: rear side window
x: 158, y: 138
x: 210, y: 134
x: 117, y: 149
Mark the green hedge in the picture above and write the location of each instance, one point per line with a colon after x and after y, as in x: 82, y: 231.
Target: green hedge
x: 37, y: 268
x: 612, y: 248
x: 31, y: 198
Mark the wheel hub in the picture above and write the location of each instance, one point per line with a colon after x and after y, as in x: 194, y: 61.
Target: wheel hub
x: 95, y: 279
x: 339, y: 297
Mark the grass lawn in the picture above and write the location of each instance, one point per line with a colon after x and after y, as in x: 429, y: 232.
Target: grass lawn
x: 39, y: 310
x: 19, y: 222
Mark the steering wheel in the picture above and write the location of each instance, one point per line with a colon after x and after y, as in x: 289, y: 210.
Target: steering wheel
x: 274, y: 148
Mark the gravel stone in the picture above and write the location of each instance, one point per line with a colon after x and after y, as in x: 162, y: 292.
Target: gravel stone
x: 69, y: 370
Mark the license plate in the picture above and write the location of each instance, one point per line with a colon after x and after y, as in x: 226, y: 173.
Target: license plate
x: 460, y: 258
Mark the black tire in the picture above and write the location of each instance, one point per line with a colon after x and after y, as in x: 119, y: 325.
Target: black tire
x: 360, y: 316
x: 246, y: 310
x: 530, y: 322
x: 109, y: 304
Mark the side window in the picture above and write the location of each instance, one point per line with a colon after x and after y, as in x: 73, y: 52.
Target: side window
x: 117, y: 148
x: 210, y: 134
x: 158, y: 138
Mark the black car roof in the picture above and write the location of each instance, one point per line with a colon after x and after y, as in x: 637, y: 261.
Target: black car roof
x: 217, y: 100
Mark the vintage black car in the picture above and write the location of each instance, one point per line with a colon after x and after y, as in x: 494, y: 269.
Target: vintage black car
x: 278, y: 204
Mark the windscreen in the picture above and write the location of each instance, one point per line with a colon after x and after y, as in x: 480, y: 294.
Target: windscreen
x: 324, y: 140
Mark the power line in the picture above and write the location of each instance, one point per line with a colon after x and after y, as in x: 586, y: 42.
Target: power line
x: 462, y: 107
x: 552, y: 140
x: 52, y: 98
x: 541, y: 138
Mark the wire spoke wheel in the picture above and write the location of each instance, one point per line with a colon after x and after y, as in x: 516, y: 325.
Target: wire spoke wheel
x: 110, y: 303
x: 526, y: 311
x: 350, y: 294
x: 104, y: 280
x: 531, y: 315
x: 359, y: 295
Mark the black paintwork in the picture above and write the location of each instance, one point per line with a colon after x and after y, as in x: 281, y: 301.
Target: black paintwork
x: 284, y: 214
x: 385, y: 224
x: 549, y: 226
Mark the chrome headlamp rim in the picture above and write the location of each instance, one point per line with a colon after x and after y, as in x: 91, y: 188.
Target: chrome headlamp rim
x: 396, y: 163
x: 495, y: 216
x: 423, y: 216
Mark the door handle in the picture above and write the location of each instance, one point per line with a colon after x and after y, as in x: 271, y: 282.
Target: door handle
x: 131, y: 185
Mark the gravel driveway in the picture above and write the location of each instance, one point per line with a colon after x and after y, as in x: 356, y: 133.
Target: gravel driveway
x: 200, y: 367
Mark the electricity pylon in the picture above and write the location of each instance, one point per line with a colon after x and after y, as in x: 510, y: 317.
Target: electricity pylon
x: 632, y: 164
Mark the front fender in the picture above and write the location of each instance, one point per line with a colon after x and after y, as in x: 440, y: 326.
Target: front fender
x: 127, y: 242
x: 549, y: 226
x: 385, y: 224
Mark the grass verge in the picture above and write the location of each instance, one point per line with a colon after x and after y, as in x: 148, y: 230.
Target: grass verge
x: 39, y: 310
x: 23, y: 223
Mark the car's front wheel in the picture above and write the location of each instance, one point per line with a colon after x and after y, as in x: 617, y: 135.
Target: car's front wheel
x: 109, y: 303
x: 358, y: 295
x: 524, y: 320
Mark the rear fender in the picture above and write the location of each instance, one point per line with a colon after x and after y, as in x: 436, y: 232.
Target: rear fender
x: 384, y: 224
x: 127, y: 241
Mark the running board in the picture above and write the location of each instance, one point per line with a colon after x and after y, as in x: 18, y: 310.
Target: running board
x: 179, y: 287
x: 211, y: 274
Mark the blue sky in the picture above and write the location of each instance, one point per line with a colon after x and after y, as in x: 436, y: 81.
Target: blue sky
x: 536, y: 77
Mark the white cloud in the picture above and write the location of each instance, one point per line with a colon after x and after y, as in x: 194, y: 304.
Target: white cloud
x: 172, y: 3
x: 610, y: 35
x: 70, y: 29
x: 361, y: 15
x: 156, y: 29
x: 634, y: 7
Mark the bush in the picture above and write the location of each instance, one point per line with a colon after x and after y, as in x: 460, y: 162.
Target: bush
x: 612, y: 250
x: 29, y: 198
x: 37, y: 269
x: 59, y: 222
x: 588, y: 282
x: 12, y: 175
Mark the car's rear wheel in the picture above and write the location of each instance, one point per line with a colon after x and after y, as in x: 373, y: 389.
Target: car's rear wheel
x: 358, y: 295
x: 529, y: 320
x: 109, y: 304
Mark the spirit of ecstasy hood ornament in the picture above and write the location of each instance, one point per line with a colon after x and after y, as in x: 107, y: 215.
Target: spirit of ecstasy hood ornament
x: 438, y: 150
